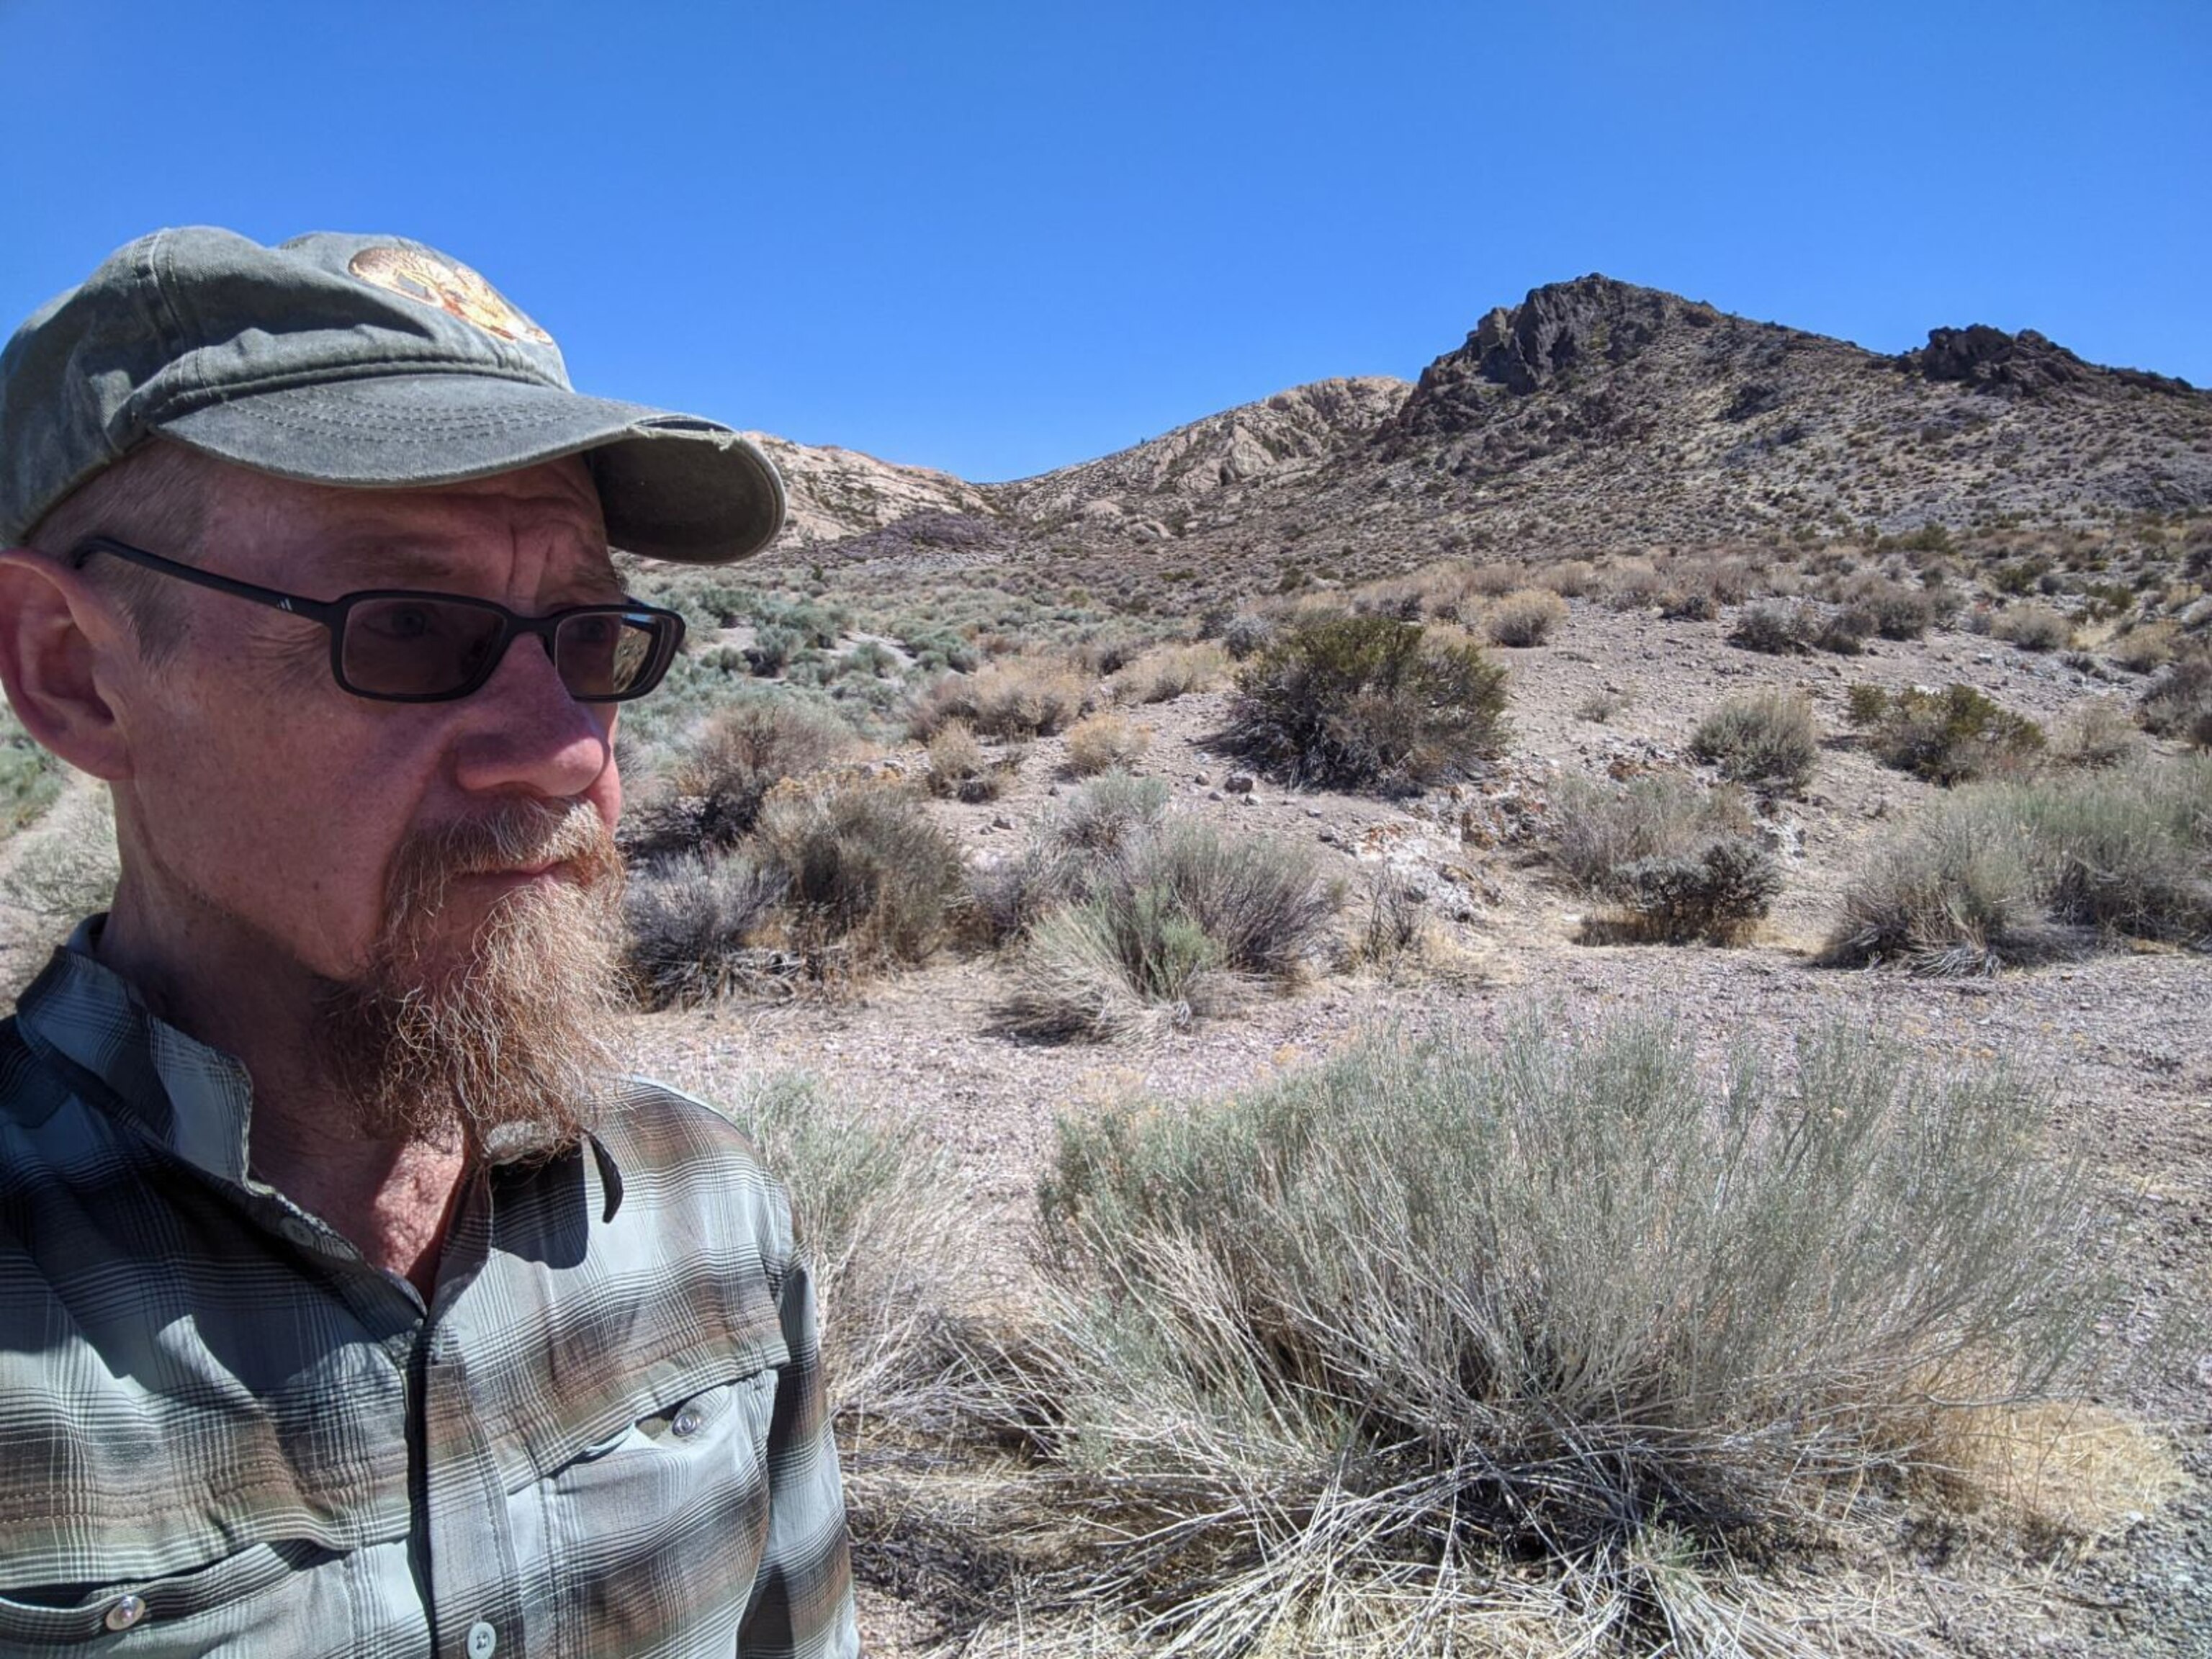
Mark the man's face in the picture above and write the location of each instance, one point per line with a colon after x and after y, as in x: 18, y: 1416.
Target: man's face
x: 280, y: 802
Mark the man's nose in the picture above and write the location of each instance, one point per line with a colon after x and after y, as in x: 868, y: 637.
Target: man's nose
x: 524, y: 731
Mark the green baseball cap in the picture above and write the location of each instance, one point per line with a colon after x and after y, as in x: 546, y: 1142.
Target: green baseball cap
x: 367, y: 361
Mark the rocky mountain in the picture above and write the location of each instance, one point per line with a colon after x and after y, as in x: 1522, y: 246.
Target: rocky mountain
x: 1593, y: 414
x: 836, y: 492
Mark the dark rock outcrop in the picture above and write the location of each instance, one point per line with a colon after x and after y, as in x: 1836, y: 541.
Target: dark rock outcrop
x: 1554, y: 335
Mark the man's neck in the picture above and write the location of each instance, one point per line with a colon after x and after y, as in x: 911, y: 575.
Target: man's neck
x: 392, y: 1198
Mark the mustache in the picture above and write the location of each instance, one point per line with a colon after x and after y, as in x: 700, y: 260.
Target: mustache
x: 517, y: 835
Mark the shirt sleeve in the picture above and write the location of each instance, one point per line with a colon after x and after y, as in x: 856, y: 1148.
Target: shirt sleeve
x: 802, y: 1600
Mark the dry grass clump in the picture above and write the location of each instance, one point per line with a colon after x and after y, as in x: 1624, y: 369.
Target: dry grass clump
x: 1367, y: 703
x: 1134, y: 919
x: 2032, y: 627
x: 1246, y: 633
x: 1897, y: 610
x: 1559, y: 1333
x: 884, y: 1230
x: 868, y: 876
x: 2099, y: 732
x: 1104, y: 742
x: 2007, y: 873
x: 713, y: 789
x: 2179, y: 704
x: 1776, y: 627
x: 1014, y: 697
x: 1957, y: 735
x: 1529, y: 616
x: 1673, y: 861
x: 1632, y: 585
x: 1768, y: 740
x: 695, y: 922
x: 1168, y: 672
x: 2145, y: 647
x: 959, y: 769
x: 1571, y: 579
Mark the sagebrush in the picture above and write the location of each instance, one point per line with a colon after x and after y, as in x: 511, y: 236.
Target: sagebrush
x: 1574, y: 1303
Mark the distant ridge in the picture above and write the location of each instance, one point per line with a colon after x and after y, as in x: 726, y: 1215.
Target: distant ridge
x: 1593, y: 414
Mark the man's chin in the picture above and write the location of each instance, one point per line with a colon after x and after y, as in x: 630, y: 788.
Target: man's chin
x: 486, y: 1011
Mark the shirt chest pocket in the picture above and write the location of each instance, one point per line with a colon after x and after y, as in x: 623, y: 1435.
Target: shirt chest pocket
x: 671, y: 1509
x: 266, y: 1598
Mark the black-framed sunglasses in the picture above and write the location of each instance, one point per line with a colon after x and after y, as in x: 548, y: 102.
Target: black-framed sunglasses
x: 397, y: 645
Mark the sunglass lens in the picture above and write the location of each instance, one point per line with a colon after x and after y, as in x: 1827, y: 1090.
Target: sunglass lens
x: 603, y: 654
x: 417, y: 646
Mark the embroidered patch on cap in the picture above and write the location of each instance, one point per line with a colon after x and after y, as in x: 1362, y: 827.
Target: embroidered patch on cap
x: 450, y: 286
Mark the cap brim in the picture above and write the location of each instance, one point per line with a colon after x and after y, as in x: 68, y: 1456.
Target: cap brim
x: 672, y: 486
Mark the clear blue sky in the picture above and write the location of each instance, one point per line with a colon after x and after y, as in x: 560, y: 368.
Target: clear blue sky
x: 998, y: 238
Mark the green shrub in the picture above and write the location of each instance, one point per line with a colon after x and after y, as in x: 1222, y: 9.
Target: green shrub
x: 939, y: 650
x: 1953, y: 736
x: 1775, y: 626
x: 1357, y: 702
x: 692, y: 922
x: 1896, y: 611
x: 869, y: 876
x: 772, y: 651
x: 1568, y: 1319
x: 1766, y: 739
x: 1676, y: 862
x: 1843, y: 630
x: 1154, y: 921
x: 1864, y: 706
x: 1715, y: 892
x: 1246, y: 634
x: 2019, y: 872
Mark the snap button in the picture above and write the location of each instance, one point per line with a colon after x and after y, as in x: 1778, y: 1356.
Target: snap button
x: 482, y: 1640
x: 124, y: 1612
x: 689, y: 1420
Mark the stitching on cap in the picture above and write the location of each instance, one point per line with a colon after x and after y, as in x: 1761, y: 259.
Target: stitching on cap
x: 433, y: 425
x: 176, y: 407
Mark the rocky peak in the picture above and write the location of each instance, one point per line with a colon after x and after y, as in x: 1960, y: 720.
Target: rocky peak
x: 1990, y: 359
x: 1558, y: 331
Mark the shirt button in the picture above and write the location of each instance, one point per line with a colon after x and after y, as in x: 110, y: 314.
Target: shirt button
x: 299, y: 1232
x: 688, y: 1422
x: 482, y: 1640
x: 124, y: 1610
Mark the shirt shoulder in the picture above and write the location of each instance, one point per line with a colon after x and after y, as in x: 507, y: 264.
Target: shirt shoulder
x: 685, y: 1164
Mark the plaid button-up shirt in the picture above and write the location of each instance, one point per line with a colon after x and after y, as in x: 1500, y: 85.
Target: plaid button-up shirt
x: 220, y: 1430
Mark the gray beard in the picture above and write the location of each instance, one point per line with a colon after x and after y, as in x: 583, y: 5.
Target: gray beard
x: 500, y: 1043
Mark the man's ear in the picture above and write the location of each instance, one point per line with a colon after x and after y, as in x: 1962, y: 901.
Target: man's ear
x: 55, y: 630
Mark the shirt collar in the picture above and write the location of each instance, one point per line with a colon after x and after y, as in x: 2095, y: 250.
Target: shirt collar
x: 196, y: 1102
x: 93, y: 1024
